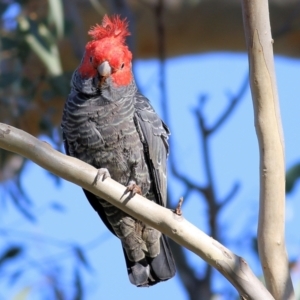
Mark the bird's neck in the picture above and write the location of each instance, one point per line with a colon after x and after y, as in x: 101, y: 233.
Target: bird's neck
x: 107, y: 91
x: 112, y: 93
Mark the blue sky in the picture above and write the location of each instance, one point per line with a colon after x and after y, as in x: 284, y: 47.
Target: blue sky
x: 235, y: 158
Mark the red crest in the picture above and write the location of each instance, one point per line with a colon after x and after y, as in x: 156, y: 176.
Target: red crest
x: 111, y: 27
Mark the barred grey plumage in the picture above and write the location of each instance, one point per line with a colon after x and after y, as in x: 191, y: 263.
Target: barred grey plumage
x: 115, y: 127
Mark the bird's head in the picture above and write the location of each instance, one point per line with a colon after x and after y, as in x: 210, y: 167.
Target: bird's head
x: 107, y: 55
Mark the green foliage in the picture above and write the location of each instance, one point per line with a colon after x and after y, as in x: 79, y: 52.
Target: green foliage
x: 79, y: 253
x: 8, y: 43
x: 3, y: 7
x: 10, y: 253
x: 292, y: 175
x: 24, y: 87
x: 8, y: 79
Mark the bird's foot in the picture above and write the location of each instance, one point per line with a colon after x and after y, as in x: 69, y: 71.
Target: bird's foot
x: 133, y: 188
x: 103, y: 172
x: 178, y: 210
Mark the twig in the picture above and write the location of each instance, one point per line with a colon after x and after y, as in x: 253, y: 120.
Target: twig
x: 235, y: 188
x: 227, y: 112
x: 178, y: 210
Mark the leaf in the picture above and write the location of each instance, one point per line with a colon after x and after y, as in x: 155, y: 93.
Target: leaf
x: 57, y: 206
x: 60, y: 84
x: 292, y: 175
x: 57, y: 179
x: 17, y: 201
x: 23, y: 48
x: 10, y: 253
x: 15, y: 276
x: 255, y: 245
x: 81, y: 256
x: 23, y: 294
x: 59, y: 295
x: 78, y: 285
x: 3, y: 7
x: 8, y: 78
x: 8, y: 43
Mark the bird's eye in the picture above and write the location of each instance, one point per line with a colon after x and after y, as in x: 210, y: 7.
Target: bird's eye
x: 122, y: 66
x: 91, y: 59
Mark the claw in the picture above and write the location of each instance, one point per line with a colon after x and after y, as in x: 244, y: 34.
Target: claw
x: 101, y: 172
x: 133, y: 188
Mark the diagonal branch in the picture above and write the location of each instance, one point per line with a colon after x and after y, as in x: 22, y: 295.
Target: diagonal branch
x: 235, y: 188
x: 50, y: 57
x: 192, y: 284
x: 187, y: 182
x: 227, y: 112
x: 195, y: 287
x: 233, y: 267
x: 208, y: 191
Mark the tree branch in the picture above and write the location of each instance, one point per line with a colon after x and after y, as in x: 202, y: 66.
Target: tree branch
x: 233, y: 267
x: 235, y: 188
x: 271, y: 239
x: 208, y: 190
x: 231, y: 106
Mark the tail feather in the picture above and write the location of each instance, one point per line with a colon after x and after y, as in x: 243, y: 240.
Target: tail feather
x: 147, y: 271
x: 151, y: 271
x: 163, y: 265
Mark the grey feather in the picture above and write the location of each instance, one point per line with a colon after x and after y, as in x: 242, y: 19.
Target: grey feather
x: 117, y: 129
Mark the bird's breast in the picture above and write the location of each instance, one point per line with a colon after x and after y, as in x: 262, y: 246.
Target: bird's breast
x: 106, y: 137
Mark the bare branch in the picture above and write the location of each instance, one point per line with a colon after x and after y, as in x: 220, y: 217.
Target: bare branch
x: 233, y: 267
x: 50, y: 57
x: 208, y: 191
x: 271, y: 239
x: 227, y: 112
x: 195, y: 287
x: 230, y: 196
x: 188, y: 182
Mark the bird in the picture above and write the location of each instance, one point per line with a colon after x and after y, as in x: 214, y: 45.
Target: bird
x: 110, y: 125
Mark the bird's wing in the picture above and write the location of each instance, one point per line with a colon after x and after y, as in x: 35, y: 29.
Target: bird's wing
x: 93, y: 200
x: 154, y: 136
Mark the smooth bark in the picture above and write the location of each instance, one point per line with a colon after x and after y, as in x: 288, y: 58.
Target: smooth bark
x: 233, y: 267
x: 271, y: 226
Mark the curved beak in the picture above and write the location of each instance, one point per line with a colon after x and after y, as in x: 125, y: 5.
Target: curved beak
x: 104, y: 69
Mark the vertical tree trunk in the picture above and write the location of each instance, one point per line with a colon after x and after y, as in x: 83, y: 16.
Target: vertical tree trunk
x: 271, y: 240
